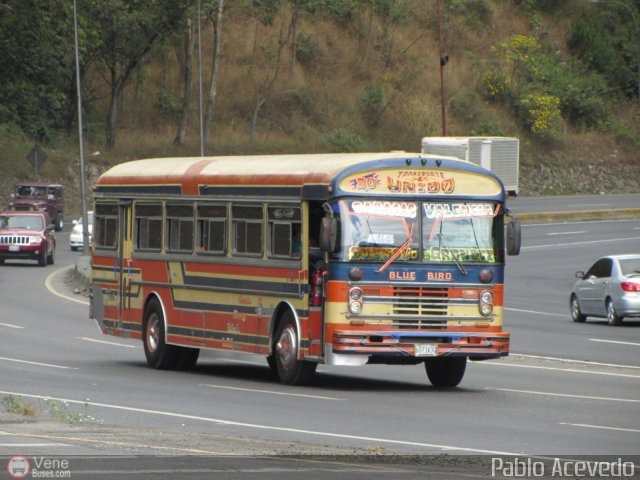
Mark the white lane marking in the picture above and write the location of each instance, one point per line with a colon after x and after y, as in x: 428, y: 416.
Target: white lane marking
x: 618, y: 429
x: 34, y: 444
x: 315, y: 433
x: 570, y: 370
x: 536, y: 312
x: 591, y: 242
x: 9, y: 325
x: 272, y: 392
x: 106, y: 343
x: 49, y: 284
x: 550, y: 394
x: 583, y: 222
x: 589, y: 205
x: 38, y: 363
x: 571, y: 360
x: 564, y: 233
x: 614, y: 341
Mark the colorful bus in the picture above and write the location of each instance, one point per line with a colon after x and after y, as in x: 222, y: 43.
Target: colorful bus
x: 341, y: 259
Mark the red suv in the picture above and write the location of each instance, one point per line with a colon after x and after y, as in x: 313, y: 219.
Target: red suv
x: 45, y: 197
x: 27, y: 235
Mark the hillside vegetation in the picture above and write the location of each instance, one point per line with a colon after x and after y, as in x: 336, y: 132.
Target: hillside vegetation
x: 324, y: 75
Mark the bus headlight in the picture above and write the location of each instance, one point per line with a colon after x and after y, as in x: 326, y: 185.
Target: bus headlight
x: 355, y: 307
x: 355, y: 294
x: 486, y: 310
x: 355, y: 300
x: 486, y: 303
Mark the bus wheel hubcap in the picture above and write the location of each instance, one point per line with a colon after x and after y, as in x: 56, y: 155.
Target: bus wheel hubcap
x: 153, y: 333
x: 286, y: 348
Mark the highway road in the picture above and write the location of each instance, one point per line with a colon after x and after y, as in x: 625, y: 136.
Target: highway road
x: 567, y: 388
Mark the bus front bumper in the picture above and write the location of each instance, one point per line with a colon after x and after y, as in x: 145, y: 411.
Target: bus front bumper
x: 359, y: 348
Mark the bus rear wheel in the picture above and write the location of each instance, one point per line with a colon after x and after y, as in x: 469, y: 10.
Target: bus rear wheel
x: 159, y: 355
x: 290, y: 370
x: 445, y: 371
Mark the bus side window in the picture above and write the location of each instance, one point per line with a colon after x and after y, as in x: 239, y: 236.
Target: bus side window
x: 212, y: 229
x: 179, y: 228
x: 247, y: 230
x: 148, y: 226
x: 285, y: 232
x: 105, y: 226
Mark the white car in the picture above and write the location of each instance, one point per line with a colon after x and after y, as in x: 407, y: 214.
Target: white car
x: 76, y: 236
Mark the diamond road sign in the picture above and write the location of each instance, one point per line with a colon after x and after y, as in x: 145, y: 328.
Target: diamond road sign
x: 36, y: 156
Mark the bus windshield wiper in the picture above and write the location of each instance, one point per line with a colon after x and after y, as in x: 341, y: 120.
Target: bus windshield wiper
x: 460, y: 266
x: 404, y: 248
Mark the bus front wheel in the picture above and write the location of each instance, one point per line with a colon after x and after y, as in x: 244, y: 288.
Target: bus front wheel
x: 445, y: 371
x: 159, y: 355
x: 290, y: 370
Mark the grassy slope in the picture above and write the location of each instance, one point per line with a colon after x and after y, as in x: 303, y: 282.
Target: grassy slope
x: 320, y: 94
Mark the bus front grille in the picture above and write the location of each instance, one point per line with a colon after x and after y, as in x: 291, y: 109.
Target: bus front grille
x: 420, y: 306
x: 420, y: 301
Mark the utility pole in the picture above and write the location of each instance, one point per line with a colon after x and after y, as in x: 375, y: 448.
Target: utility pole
x: 443, y: 61
x: 83, y: 180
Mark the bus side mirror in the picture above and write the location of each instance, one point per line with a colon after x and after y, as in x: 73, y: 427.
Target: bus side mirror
x: 514, y: 232
x: 328, y: 234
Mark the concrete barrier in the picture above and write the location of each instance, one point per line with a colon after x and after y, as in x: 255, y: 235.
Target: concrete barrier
x: 552, y: 217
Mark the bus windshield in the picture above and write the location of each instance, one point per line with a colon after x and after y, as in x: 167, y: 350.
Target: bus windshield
x: 427, y: 232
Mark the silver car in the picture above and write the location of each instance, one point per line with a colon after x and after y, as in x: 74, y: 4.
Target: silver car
x: 609, y: 289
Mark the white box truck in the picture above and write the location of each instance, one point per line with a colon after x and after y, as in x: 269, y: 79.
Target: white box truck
x: 499, y: 155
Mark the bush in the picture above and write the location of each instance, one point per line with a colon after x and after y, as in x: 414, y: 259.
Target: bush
x: 371, y: 103
x: 344, y: 140
x: 307, y: 49
x: 488, y: 128
x: 475, y: 12
x: 605, y: 48
x: 169, y: 104
x: 542, y: 87
x: 541, y: 114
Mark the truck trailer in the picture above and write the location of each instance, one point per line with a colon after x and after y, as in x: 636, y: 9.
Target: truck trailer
x: 499, y: 155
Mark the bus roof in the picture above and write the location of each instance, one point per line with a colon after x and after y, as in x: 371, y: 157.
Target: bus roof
x: 309, y: 176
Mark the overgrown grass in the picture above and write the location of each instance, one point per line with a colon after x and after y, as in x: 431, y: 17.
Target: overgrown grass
x: 18, y: 406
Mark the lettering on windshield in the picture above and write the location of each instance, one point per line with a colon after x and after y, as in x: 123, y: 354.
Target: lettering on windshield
x: 459, y: 210
x: 385, y: 209
x: 385, y: 231
x: 463, y: 254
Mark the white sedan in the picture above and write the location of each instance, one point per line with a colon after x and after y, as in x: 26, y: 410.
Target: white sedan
x: 76, y: 236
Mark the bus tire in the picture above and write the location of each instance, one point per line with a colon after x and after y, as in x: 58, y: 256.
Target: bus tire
x: 159, y: 355
x: 187, y: 358
x: 290, y: 370
x: 271, y: 361
x: 445, y: 371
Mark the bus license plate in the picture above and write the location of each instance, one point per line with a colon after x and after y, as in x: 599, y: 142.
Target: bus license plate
x: 14, y: 248
x: 426, y: 350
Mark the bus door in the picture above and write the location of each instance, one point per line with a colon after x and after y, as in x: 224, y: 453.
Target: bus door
x: 123, y: 263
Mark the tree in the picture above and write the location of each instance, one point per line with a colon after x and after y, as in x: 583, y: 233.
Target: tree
x: 128, y: 30
x: 37, y: 59
x: 213, y: 86
x: 186, y: 56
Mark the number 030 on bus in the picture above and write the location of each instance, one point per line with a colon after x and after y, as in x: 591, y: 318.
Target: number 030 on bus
x: 341, y: 259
